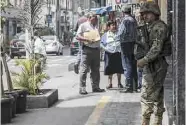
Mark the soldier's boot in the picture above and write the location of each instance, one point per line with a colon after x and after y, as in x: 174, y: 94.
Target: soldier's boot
x: 157, y: 120
x: 145, y: 121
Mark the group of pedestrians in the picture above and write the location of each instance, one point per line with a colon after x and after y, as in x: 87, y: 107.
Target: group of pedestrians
x: 123, y: 55
x: 117, y: 42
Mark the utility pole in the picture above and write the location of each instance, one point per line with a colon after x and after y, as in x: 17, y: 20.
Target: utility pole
x: 66, y: 16
x: 57, y: 18
x: 73, y: 3
x: 49, y: 7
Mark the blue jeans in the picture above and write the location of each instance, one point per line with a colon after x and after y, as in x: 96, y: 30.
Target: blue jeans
x: 129, y: 66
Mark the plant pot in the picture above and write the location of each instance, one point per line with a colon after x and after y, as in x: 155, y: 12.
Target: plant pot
x: 44, y: 100
x: 15, y: 95
x: 6, y: 109
x: 21, y: 101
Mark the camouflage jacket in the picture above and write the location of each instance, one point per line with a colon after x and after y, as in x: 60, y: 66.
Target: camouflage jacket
x: 141, y: 47
x: 158, y: 33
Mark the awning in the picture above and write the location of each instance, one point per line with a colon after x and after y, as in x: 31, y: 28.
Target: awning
x: 103, y: 10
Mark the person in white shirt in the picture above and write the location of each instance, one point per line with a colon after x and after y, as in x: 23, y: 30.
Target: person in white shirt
x: 40, y: 50
x: 39, y: 47
x: 112, y: 59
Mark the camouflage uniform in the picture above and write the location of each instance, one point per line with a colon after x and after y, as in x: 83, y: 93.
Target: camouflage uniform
x: 154, y: 72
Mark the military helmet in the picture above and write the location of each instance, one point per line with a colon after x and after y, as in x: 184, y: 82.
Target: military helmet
x: 127, y: 9
x: 150, y: 7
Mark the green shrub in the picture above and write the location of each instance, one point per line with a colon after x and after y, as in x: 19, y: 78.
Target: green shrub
x: 28, y: 78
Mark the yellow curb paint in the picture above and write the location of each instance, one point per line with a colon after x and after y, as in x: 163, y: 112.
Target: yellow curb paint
x: 94, y: 117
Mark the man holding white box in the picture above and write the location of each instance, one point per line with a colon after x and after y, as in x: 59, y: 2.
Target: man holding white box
x: 89, y: 36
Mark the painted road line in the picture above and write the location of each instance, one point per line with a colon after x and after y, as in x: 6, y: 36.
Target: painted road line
x: 94, y: 117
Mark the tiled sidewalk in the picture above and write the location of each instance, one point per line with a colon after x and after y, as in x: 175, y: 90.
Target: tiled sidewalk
x: 123, y: 109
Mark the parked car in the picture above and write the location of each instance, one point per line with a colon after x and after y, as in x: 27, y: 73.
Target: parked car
x: 53, y: 46
x: 17, y: 48
x: 74, y: 46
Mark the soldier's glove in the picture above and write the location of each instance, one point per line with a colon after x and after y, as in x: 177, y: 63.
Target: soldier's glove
x: 141, y: 63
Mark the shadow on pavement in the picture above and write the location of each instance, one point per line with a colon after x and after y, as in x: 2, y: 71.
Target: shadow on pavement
x: 76, y: 97
x: 54, y: 116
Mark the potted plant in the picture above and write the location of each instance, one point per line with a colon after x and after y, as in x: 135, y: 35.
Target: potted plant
x: 10, y: 90
x: 31, y: 78
x: 6, y: 101
x: 7, y: 95
x: 6, y: 108
x: 18, y: 95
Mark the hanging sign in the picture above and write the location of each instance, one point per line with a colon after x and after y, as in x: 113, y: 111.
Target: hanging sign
x: 118, y: 5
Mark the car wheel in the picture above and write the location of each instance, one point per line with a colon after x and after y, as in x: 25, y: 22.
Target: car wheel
x: 61, y: 53
x: 58, y: 52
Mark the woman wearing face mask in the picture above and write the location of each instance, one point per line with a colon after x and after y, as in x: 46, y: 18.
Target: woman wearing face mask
x: 113, y: 63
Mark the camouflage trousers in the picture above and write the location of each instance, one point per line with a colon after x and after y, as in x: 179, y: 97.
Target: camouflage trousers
x: 152, y: 97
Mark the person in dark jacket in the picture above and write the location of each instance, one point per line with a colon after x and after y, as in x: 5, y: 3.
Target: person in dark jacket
x: 127, y: 34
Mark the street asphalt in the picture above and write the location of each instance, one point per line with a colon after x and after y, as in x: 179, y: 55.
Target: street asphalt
x: 108, y: 108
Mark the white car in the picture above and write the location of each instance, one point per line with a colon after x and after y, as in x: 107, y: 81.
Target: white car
x: 53, y: 46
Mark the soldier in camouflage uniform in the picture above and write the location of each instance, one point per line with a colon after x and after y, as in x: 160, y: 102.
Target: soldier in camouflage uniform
x: 154, y: 65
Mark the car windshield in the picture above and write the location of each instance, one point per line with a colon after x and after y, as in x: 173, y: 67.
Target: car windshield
x: 48, y: 38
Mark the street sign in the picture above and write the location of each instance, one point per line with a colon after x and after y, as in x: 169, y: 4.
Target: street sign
x: 118, y: 5
x: 49, y: 18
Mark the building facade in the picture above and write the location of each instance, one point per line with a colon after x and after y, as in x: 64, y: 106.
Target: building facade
x: 13, y: 23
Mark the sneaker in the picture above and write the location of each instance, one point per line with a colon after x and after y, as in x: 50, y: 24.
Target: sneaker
x: 98, y: 90
x: 76, y: 68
